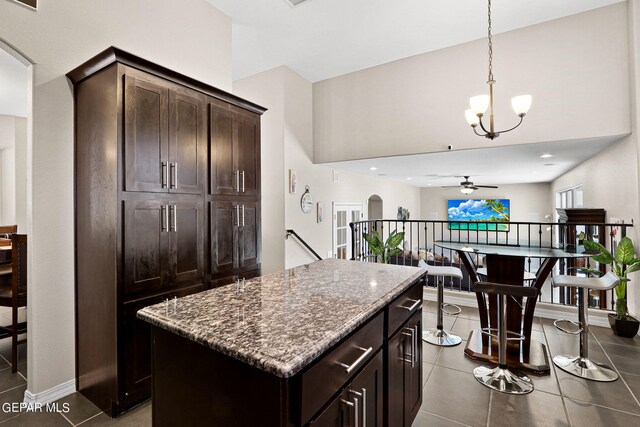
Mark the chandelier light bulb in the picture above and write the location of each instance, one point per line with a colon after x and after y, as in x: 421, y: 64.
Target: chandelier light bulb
x: 479, y: 104
x: 521, y: 104
x: 472, y: 118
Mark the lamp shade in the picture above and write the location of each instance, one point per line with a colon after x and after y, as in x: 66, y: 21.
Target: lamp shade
x: 472, y: 119
x: 521, y: 104
x: 466, y: 190
x: 479, y: 104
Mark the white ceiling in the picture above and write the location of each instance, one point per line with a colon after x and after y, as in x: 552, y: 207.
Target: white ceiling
x: 515, y: 164
x: 321, y: 39
x: 13, y: 86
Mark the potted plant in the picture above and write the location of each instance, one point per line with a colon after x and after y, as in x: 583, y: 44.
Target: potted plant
x: 623, y: 263
x: 386, y: 249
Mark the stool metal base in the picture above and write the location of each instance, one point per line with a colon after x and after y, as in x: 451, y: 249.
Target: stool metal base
x: 503, y: 380
x: 440, y: 337
x: 585, y: 368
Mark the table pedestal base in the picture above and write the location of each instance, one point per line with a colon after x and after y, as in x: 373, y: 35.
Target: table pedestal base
x: 482, y: 348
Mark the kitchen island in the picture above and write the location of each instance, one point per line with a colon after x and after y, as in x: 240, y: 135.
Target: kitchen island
x: 332, y: 343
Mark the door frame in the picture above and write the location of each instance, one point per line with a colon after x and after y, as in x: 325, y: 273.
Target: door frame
x: 334, y: 219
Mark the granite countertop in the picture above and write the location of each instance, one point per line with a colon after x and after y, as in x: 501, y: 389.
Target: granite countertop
x: 281, y: 322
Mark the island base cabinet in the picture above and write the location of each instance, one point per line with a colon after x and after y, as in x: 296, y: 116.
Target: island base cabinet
x: 404, y: 364
x: 360, y: 403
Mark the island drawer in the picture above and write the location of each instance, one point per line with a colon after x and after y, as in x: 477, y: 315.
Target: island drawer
x: 404, y: 306
x: 332, y: 371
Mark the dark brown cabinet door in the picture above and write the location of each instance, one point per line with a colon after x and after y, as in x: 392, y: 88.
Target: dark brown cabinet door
x: 224, y: 178
x: 186, y: 233
x: 187, y: 145
x: 146, y: 246
x: 367, y: 388
x: 248, y: 153
x: 249, y: 235
x: 224, y: 217
x: 146, y: 146
x: 404, y: 365
x: 335, y: 415
x: 413, y: 371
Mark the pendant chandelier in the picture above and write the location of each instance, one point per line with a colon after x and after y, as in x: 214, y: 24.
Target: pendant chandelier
x: 479, y: 104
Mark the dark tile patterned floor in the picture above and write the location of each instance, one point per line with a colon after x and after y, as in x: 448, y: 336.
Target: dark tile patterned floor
x: 452, y: 397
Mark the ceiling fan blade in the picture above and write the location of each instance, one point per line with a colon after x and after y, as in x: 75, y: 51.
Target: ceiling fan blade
x: 486, y: 186
x: 446, y: 187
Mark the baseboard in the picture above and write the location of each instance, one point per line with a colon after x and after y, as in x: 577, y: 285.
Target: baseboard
x: 52, y: 394
x: 543, y: 309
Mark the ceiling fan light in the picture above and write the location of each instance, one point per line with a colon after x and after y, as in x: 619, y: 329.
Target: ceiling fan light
x: 466, y: 190
x: 479, y: 104
x: 472, y: 119
x: 521, y: 104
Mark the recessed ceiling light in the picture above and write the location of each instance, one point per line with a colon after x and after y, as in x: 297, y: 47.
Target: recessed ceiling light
x: 409, y: 178
x: 546, y: 156
x: 373, y: 168
x: 429, y: 184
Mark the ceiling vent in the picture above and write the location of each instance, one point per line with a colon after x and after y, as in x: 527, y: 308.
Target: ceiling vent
x: 294, y: 3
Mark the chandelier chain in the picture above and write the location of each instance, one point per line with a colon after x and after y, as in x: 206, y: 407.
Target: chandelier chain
x: 490, y: 45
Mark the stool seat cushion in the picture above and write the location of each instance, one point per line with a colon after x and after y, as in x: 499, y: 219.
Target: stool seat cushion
x: 440, y: 270
x: 606, y: 282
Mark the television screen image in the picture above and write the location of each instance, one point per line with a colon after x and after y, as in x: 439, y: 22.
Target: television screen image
x: 479, y: 212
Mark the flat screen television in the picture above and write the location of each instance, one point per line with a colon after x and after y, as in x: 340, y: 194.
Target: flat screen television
x: 479, y: 212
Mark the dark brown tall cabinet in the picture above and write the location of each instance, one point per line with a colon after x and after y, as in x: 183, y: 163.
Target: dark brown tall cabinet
x: 167, y: 183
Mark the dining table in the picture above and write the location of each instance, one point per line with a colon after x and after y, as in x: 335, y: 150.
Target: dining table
x: 505, y: 264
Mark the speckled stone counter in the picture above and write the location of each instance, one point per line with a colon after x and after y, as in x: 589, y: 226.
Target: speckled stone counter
x: 282, y: 322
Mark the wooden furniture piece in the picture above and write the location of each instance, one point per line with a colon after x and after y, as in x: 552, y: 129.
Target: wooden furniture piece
x: 578, y: 221
x: 13, y: 293
x: 150, y: 225
x: 8, y: 229
x: 315, y: 345
x: 506, y: 265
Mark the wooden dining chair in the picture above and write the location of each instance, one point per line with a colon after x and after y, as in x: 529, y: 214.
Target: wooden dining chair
x: 13, y: 293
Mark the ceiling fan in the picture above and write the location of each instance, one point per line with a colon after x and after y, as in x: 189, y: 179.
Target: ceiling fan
x: 467, y: 187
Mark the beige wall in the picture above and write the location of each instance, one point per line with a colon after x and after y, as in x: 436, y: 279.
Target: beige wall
x: 287, y: 143
x: 525, y: 200
x: 13, y: 186
x: 572, y: 66
x: 189, y: 36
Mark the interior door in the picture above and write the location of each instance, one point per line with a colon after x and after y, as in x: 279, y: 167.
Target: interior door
x: 146, y: 246
x: 343, y: 215
x: 146, y: 146
x: 186, y: 232
x: 248, y: 153
x: 187, y: 147
x: 222, y: 156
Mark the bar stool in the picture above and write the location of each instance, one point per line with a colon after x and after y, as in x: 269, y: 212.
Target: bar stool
x: 438, y: 336
x: 581, y: 366
x: 501, y: 378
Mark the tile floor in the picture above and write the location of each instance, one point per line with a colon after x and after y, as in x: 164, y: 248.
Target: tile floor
x: 452, y: 397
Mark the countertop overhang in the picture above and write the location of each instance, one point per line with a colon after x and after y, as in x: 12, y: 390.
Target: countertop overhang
x: 283, y: 321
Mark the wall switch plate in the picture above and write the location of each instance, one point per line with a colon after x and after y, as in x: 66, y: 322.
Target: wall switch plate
x: 330, y: 254
x: 336, y: 176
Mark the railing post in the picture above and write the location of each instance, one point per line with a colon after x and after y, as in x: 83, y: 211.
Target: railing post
x: 353, y: 241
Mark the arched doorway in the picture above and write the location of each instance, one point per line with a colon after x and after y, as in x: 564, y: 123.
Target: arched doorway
x: 375, y: 207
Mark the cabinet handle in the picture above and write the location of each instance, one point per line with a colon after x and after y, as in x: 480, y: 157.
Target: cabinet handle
x: 242, y: 172
x: 174, y: 174
x: 237, y: 174
x: 355, y: 407
x: 415, y: 351
x: 237, y: 215
x: 412, y: 334
x: 415, y: 304
x: 165, y: 219
x: 358, y: 361
x: 243, y: 215
x: 164, y: 175
x: 363, y: 395
x: 173, y: 211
